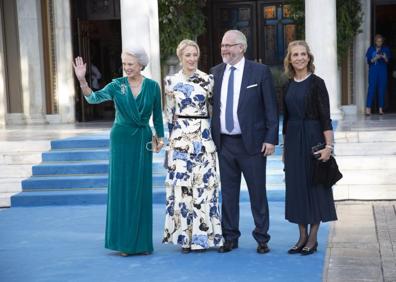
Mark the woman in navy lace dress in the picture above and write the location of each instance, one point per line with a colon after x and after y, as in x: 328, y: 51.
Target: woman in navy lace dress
x: 306, y: 123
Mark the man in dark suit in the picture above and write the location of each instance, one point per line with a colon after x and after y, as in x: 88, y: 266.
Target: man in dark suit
x: 245, y: 131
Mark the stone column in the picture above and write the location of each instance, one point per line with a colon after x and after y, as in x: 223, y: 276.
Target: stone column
x: 3, y: 94
x: 360, y: 67
x: 139, y: 25
x: 65, y: 91
x: 321, y: 35
x: 32, y: 68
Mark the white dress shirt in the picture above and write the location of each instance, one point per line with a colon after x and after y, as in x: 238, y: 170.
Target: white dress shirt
x: 238, y: 73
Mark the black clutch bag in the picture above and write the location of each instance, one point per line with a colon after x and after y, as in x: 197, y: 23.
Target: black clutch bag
x: 326, y: 173
x: 317, y: 148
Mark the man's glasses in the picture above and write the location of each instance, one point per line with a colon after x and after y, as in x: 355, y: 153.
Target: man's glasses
x: 228, y: 46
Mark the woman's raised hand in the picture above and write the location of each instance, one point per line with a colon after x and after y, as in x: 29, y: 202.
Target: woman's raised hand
x: 80, y: 68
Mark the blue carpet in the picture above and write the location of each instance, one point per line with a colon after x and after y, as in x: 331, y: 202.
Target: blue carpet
x: 65, y: 243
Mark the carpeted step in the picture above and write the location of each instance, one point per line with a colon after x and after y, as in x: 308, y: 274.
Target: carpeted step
x: 64, y: 182
x: 59, y: 168
x: 82, y: 167
x: 75, y: 172
x: 83, y: 155
x: 76, y: 155
x: 99, y: 196
x: 84, y: 141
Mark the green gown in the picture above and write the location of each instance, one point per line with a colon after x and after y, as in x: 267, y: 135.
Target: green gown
x: 129, y: 203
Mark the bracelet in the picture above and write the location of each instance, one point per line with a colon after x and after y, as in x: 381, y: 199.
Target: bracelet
x: 329, y: 147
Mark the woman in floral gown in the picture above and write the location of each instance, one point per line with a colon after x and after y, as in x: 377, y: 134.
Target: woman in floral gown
x: 192, y: 211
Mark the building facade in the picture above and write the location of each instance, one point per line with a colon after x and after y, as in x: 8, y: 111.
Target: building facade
x: 40, y: 38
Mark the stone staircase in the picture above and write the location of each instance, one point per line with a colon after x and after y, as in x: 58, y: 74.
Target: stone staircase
x: 367, y: 159
x: 74, y: 172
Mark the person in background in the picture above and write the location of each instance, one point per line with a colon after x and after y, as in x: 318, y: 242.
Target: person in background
x: 306, y: 123
x: 95, y: 77
x: 136, y: 98
x: 378, y: 57
x: 192, y: 193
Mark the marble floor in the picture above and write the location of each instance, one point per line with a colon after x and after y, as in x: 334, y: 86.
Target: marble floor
x: 51, y: 131
x: 373, y: 122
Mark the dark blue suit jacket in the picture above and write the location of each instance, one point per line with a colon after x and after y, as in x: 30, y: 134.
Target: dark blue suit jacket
x: 257, y: 107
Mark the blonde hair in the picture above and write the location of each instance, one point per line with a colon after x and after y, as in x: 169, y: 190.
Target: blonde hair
x: 183, y: 45
x: 289, y: 70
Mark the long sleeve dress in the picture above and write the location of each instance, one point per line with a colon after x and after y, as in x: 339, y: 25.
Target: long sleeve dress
x: 306, y: 117
x: 129, y: 204
x: 192, y: 209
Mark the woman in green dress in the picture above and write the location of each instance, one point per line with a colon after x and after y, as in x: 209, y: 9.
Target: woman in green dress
x: 129, y: 204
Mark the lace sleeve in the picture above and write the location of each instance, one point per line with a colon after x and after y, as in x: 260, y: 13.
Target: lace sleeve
x: 323, y: 106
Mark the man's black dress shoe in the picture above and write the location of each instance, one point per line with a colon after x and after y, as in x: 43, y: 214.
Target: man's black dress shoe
x: 228, y: 246
x: 262, y: 248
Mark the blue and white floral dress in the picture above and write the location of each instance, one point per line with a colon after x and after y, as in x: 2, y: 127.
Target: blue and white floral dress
x: 192, y: 208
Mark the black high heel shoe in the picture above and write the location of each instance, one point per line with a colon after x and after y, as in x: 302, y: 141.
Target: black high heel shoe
x: 295, y: 249
x: 309, y: 251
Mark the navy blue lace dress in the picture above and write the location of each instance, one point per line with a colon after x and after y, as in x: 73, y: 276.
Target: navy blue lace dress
x: 306, y: 203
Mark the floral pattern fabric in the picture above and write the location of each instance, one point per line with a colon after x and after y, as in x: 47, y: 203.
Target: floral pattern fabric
x: 192, y: 208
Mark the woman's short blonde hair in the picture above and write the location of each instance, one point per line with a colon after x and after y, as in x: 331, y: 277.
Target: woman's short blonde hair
x: 137, y: 52
x: 183, y: 45
x: 289, y: 70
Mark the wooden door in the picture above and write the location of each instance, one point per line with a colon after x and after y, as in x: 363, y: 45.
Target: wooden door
x: 268, y: 27
x: 275, y: 30
x: 234, y: 15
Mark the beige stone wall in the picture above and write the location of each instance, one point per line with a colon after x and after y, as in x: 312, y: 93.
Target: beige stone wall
x: 139, y: 26
x: 323, y: 43
x: 3, y: 98
x: 362, y: 42
x: 31, y: 56
x: 64, y: 56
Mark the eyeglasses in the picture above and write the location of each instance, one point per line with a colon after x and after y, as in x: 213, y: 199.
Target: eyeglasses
x: 228, y: 46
